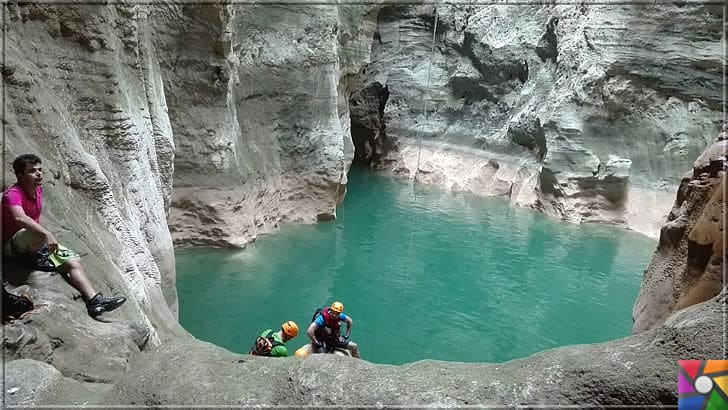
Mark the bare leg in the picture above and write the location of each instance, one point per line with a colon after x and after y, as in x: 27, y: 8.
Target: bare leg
x: 354, y: 349
x: 78, y: 279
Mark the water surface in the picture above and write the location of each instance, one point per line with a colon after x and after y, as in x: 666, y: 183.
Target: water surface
x: 424, y: 275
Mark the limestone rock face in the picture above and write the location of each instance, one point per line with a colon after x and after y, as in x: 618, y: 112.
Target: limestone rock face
x: 689, y: 263
x: 245, y: 108
x: 529, y: 133
x: 259, y: 114
x: 562, y: 93
x: 83, y: 91
x: 368, y: 131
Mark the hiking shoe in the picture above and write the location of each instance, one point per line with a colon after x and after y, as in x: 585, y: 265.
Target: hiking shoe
x: 100, y: 304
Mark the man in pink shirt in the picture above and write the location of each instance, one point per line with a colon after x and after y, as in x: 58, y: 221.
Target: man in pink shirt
x: 24, y: 238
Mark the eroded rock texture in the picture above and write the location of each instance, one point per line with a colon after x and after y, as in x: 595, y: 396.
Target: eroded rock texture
x: 83, y: 91
x: 689, y: 264
x: 591, y: 112
x: 225, y: 120
x: 243, y: 109
x: 258, y: 101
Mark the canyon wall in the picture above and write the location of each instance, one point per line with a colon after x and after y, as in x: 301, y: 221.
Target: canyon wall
x: 83, y: 90
x: 209, y: 124
x: 689, y: 264
x: 255, y: 101
x: 589, y: 113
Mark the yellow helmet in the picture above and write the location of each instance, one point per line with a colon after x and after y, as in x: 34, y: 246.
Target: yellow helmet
x: 337, y: 307
x: 290, y: 328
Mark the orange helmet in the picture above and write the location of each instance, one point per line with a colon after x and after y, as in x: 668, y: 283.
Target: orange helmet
x: 337, y: 307
x: 290, y: 328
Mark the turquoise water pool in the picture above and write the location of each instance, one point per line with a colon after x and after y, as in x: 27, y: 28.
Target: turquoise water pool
x: 428, y: 276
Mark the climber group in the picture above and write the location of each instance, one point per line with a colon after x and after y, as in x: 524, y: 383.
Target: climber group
x: 324, y: 333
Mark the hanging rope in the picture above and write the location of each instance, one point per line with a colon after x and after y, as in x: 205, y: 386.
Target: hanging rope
x: 427, y: 96
x: 419, y: 145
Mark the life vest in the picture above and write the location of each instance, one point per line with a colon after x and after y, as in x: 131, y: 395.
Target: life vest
x: 330, y: 322
x: 264, y: 344
x: 329, y: 332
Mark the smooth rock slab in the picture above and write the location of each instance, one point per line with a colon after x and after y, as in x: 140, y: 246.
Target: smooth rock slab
x: 636, y: 370
x: 30, y: 382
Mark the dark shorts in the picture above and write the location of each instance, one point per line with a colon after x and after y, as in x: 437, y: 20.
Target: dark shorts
x: 330, y: 345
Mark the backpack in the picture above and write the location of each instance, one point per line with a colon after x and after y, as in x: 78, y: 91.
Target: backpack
x: 316, y: 313
x: 15, y: 306
x: 264, y: 344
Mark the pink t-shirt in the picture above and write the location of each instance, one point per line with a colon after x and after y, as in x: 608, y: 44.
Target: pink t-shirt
x: 15, y: 196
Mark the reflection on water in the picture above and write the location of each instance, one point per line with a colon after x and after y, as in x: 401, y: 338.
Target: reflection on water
x: 431, y: 276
